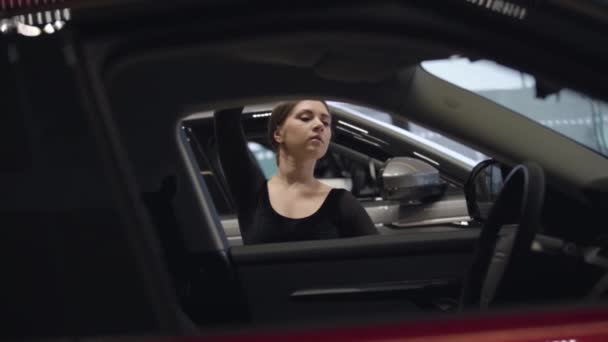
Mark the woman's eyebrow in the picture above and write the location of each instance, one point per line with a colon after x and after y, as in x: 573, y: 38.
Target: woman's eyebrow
x: 304, y: 111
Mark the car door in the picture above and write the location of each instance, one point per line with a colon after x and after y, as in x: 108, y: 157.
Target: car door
x: 356, y: 277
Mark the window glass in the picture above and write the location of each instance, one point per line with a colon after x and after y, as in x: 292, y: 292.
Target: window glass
x: 574, y: 115
x: 448, y: 145
x: 265, y: 157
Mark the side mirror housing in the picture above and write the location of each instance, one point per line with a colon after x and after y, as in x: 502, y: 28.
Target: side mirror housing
x: 410, y: 179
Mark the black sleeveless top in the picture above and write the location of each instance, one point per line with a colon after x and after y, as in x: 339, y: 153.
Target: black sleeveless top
x: 340, y: 215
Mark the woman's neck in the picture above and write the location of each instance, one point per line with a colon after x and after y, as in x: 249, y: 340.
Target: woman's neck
x: 292, y: 171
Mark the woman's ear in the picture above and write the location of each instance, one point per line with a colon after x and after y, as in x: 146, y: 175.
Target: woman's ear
x: 277, y: 135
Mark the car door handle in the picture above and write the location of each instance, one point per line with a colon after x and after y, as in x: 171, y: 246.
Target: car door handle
x: 369, y: 289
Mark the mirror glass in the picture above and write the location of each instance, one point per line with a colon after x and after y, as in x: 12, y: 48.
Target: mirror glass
x: 487, y: 183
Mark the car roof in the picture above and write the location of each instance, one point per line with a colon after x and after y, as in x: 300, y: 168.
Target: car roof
x: 257, y: 69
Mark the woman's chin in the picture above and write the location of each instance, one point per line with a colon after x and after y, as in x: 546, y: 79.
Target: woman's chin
x: 311, y: 154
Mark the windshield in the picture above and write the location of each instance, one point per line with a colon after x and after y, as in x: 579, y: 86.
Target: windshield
x: 574, y: 115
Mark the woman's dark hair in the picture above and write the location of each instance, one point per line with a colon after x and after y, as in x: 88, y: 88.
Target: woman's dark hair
x: 277, y: 118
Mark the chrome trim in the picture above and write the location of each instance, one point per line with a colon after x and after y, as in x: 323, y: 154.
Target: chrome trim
x: 445, y: 220
x: 405, y: 285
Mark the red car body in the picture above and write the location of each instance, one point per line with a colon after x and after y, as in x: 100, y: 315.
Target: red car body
x: 579, y: 325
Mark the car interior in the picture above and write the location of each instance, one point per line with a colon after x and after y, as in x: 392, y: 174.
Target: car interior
x: 118, y: 216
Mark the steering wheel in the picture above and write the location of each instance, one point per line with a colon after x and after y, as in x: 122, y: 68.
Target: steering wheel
x: 500, y: 248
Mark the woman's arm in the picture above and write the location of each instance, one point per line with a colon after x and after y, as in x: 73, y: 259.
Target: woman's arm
x: 241, y: 171
x: 354, y: 220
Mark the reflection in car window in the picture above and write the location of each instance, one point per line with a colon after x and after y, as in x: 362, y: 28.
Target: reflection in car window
x: 447, y: 143
x: 578, y: 117
x: 456, y: 149
x: 430, y: 138
x: 265, y: 157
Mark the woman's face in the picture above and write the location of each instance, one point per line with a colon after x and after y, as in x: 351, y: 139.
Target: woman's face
x: 306, y: 132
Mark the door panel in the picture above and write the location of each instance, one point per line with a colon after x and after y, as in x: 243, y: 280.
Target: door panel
x: 354, y: 277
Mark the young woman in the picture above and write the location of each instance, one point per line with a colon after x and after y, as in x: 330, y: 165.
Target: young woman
x: 292, y: 205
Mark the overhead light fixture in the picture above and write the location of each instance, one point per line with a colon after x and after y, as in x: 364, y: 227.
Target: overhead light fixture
x: 4, y: 26
x: 49, y: 28
x: 27, y: 30
x: 503, y: 7
x: 59, y: 25
x: 35, y: 23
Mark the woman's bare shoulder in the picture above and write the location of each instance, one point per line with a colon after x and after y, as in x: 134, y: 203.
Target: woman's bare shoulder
x: 323, y: 188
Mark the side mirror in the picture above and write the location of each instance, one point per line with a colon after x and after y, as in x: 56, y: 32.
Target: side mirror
x: 410, y: 179
x: 482, y: 188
